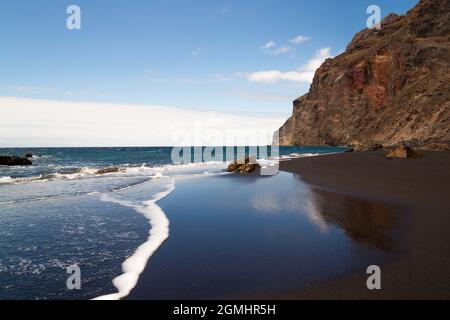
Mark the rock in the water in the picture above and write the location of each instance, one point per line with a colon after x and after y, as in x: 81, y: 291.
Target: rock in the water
x: 234, y: 166
x: 245, y: 166
x: 107, y: 170
x: 14, y: 161
x: 28, y: 155
x: 403, y: 152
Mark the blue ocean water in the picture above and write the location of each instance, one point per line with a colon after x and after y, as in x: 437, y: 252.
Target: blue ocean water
x: 70, y: 160
x: 56, y: 213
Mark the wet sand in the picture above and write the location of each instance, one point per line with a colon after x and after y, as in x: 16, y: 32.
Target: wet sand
x: 240, y: 236
x: 309, y: 232
x: 420, y: 186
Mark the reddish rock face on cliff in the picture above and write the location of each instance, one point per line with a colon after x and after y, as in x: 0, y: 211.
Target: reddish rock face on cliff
x: 390, y: 85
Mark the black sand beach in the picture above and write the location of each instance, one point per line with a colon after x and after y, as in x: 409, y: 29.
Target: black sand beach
x: 394, y: 212
x: 308, y: 232
x: 422, y: 187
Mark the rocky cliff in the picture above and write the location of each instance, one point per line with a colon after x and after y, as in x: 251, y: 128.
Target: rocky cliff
x: 390, y: 85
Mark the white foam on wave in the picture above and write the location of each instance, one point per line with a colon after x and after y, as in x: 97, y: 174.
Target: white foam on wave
x: 6, y: 180
x: 83, y: 173
x: 124, y: 171
x: 41, y: 157
x: 273, y: 161
x: 9, y: 180
x: 173, y: 169
x: 159, y: 232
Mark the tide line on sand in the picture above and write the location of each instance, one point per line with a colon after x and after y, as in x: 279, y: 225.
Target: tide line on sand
x: 159, y: 232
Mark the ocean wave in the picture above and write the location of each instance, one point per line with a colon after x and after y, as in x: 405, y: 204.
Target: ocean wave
x: 41, y: 157
x: 72, y: 194
x: 159, y: 232
x: 70, y: 173
x: 6, y: 180
x: 127, y: 170
x: 304, y: 155
x: 35, y: 199
x: 10, y: 180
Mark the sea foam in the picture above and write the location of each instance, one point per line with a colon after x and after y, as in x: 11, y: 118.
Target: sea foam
x: 159, y: 232
x: 6, y: 180
x: 123, y: 171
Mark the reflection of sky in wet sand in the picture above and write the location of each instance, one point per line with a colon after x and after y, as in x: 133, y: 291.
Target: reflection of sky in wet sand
x: 366, y: 222
x: 268, y: 203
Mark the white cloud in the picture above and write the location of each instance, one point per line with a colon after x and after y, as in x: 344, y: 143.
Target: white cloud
x: 33, y: 122
x: 271, y: 48
x: 299, y: 40
x: 268, y: 76
x: 320, y: 57
x: 304, y: 74
x: 281, y: 50
x: 269, y: 45
x: 272, y: 76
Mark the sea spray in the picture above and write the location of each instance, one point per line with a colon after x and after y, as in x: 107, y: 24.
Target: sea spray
x: 6, y: 180
x: 159, y: 232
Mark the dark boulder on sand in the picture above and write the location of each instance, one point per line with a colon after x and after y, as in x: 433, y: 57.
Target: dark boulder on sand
x: 14, y: 161
x: 245, y: 166
x: 403, y: 152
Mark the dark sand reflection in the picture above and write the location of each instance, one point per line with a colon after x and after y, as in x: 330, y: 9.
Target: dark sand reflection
x: 369, y: 223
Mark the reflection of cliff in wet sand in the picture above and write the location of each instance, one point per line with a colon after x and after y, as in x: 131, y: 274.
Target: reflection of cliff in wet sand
x: 418, y: 186
x: 366, y: 222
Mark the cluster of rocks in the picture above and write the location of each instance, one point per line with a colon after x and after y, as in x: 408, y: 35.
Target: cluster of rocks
x: 14, y: 161
x: 245, y: 166
x: 403, y: 152
x: 17, y: 160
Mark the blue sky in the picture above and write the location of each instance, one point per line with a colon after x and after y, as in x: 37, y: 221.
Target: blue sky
x: 188, y: 54
x: 247, y: 57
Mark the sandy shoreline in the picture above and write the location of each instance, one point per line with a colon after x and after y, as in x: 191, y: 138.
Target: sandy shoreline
x: 392, y: 213
x: 422, y: 187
